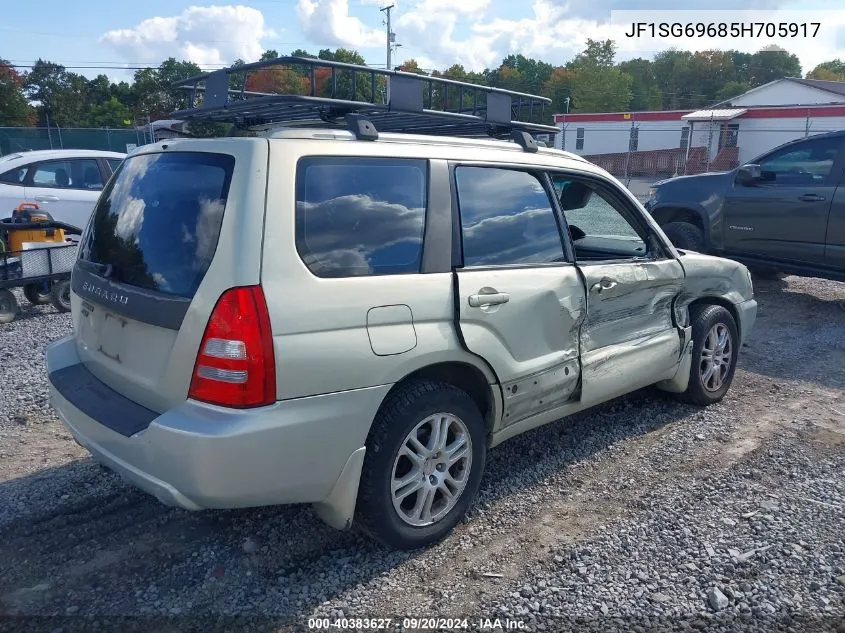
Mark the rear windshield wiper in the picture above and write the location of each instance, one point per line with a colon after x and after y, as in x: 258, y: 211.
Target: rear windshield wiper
x: 106, y: 271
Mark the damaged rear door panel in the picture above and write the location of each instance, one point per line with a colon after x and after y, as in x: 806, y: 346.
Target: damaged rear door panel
x: 520, y: 303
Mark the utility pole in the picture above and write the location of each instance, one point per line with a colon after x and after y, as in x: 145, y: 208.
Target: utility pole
x: 391, y: 37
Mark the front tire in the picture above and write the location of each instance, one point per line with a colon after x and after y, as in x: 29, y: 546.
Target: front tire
x: 425, y: 457
x: 715, y: 351
x: 685, y: 236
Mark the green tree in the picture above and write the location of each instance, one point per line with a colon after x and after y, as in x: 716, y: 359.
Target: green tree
x: 732, y: 89
x: 558, y: 88
x: 712, y: 70
x: 533, y: 73
x: 111, y: 113
x: 769, y: 65
x: 62, y: 96
x: 301, y: 53
x: 14, y: 108
x: 342, y: 55
x: 646, y: 94
x: 675, y: 77
x: 597, y: 84
x: 833, y: 70
x: 154, y: 92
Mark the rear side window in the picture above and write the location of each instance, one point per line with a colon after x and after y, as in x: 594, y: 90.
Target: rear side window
x: 14, y: 176
x: 158, y: 221
x: 360, y: 216
x: 506, y: 218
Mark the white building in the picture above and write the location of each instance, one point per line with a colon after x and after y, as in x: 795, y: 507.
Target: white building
x: 726, y: 135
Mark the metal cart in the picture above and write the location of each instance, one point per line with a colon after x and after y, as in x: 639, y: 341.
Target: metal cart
x: 34, y: 264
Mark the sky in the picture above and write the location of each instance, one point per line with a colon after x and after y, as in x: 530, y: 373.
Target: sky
x: 437, y: 33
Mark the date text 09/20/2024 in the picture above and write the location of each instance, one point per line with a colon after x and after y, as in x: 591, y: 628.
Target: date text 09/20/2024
x: 411, y: 624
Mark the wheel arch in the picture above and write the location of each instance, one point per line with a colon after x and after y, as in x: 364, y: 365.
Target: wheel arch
x: 464, y: 375
x: 725, y: 303
x: 680, y: 213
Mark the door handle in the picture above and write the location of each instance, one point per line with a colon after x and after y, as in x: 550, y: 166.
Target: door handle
x: 811, y: 197
x: 606, y: 283
x: 47, y: 198
x: 488, y: 299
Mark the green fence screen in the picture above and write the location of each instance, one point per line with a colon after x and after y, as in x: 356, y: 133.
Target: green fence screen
x: 19, y: 139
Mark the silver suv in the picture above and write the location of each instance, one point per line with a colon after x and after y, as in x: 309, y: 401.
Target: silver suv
x: 352, y: 319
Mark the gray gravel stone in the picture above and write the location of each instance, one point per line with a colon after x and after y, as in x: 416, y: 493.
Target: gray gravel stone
x: 716, y: 599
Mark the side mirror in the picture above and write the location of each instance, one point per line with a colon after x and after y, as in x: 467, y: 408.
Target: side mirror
x: 748, y: 175
x: 575, y: 195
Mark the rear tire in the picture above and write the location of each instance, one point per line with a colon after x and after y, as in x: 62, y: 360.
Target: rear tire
x: 425, y: 456
x: 36, y: 295
x: 685, y: 236
x: 60, y: 295
x: 8, y: 306
x: 715, y: 350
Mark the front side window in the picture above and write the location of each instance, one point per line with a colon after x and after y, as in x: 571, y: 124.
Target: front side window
x: 506, y: 218
x: 598, y: 224
x: 360, y: 216
x: 807, y: 162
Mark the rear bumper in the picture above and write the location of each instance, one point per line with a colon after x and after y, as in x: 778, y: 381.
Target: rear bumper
x: 197, y: 456
x: 747, y: 312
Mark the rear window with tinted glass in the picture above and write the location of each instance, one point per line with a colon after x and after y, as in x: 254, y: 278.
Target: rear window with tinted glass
x: 158, y: 221
x: 360, y: 216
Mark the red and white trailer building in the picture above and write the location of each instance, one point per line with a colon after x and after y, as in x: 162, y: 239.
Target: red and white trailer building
x: 716, y: 139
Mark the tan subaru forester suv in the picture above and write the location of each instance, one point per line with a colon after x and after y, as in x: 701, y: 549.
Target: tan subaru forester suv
x: 352, y: 318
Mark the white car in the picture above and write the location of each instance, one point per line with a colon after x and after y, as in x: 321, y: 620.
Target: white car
x: 64, y: 182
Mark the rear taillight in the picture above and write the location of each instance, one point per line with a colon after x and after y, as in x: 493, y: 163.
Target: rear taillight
x: 235, y: 365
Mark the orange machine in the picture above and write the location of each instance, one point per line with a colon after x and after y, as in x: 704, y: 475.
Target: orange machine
x: 29, y: 213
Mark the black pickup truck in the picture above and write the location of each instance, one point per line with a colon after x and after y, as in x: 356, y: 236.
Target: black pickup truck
x: 782, y: 212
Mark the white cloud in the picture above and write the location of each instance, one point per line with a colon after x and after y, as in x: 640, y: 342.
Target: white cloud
x: 328, y: 23
x: 211, y: 35
x: 431, y: 26
x: 472, y: 34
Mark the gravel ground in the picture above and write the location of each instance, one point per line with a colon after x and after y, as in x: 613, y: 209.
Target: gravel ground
x: 22, y: 343
x: 644, y: 514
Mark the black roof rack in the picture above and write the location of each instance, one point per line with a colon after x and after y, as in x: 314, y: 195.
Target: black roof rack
x: 332, y: 91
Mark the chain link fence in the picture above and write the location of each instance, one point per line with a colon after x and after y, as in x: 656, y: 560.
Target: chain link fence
x: 640, y: 153
x: 22, y: 139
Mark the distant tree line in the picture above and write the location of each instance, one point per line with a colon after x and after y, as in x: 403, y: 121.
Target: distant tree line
x: 592, y: 81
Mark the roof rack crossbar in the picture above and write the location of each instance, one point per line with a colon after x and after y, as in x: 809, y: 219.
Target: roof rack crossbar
x: 417, y: 103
